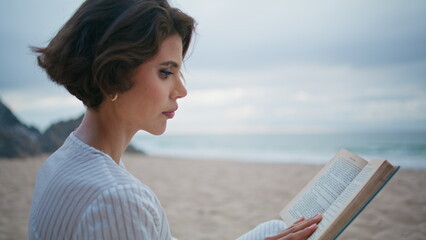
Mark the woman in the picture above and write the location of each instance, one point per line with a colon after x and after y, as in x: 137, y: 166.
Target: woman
x: 122, y: 59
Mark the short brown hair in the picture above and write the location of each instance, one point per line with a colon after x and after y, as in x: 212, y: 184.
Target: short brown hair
x: 105, y: 40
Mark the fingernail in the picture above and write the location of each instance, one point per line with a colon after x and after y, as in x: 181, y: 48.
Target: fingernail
x: 316, y: 215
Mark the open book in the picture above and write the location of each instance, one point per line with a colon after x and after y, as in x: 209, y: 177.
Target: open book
x: 340, y: 191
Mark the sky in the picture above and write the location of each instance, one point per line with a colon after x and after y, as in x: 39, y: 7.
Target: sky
x: 288, y: 66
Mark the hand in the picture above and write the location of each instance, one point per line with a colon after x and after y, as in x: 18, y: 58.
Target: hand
x: 301, y: 229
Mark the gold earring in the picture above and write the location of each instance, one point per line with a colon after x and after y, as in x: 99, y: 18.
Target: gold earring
x: 114, y: 98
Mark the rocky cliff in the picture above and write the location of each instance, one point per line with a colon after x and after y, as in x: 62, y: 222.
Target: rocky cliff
x: 19, y: 140
x: 16, y: 138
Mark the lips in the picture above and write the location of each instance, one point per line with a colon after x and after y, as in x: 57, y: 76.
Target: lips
x: 170, y: 114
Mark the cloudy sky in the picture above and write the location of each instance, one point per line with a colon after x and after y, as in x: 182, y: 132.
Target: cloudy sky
x: 288, y: 66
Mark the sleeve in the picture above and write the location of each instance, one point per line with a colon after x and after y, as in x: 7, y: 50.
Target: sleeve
x: 264, y: 230
x: 123, y: 212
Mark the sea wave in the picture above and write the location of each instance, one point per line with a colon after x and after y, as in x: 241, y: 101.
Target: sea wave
x: 405, y: 149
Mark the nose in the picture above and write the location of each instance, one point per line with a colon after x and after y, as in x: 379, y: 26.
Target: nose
x: 179, y: 90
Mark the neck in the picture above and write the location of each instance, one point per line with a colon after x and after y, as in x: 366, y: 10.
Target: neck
x: 101, y: 130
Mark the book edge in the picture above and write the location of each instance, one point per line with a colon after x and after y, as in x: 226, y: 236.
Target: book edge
x: 367, y: 202
x: 342, y: 151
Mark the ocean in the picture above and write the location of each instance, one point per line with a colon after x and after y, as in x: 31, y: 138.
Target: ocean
x: 407, y: 149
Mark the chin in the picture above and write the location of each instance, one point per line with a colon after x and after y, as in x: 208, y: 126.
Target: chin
x: 157, y: 132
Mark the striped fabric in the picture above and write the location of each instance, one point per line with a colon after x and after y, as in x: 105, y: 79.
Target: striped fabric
x: 81, y: 193
x: 266, y: 229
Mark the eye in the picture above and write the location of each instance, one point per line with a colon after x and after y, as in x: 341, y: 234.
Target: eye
x: 164, y: 73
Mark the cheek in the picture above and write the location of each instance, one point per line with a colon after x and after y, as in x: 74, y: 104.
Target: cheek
x: 151, y: 100
x: 156, y: 93
x: 149, y: 96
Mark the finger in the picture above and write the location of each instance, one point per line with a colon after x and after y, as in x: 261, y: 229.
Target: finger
x: 298, y: 221
x: 301, y: 219
x: 280, y: 235
x: 304, y: 224
x: 302, y: 234
x: 308, y: 222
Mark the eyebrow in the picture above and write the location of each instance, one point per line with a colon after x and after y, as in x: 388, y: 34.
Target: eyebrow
x: 170, y: 63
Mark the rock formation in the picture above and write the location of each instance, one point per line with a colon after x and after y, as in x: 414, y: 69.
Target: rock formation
x: 19, y: 140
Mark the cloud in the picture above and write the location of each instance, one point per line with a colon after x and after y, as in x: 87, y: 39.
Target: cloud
x: 216, y: 97
x: 305, y: 97
x: 280, y: 66
x: 363, y: 33
x: 27, y: 23
x: 42, y: 108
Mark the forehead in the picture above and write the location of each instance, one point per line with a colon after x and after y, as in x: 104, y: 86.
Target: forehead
x: 170, y: 50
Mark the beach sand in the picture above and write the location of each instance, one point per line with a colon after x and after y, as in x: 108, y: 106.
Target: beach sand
x: 212, y: 199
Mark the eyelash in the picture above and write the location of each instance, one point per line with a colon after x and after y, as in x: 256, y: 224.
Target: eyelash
x: 165, y: 73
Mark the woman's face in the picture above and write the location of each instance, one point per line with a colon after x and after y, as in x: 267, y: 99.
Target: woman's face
x: 157, y: 86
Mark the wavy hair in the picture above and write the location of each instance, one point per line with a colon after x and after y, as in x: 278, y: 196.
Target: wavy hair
x: 97, y: 48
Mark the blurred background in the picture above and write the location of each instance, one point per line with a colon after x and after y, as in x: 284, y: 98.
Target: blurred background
x: 281, y: 81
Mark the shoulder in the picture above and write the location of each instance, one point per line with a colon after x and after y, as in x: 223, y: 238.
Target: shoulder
x: 131, y: 194
x: 129, y: 211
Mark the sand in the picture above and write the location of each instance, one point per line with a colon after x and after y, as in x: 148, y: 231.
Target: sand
x: 213, y: 199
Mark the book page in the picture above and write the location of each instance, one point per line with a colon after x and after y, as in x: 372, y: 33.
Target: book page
x: 346, y: 196
x: 325, y: 187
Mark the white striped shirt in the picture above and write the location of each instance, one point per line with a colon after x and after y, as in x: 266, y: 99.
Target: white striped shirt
x: 81, y: 193
x: 264, y: 230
